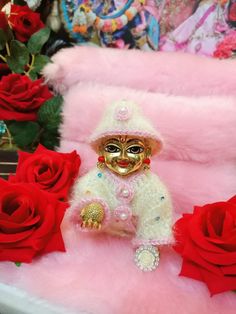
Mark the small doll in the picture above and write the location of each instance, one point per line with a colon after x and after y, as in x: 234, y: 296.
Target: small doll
x: 121, y: 196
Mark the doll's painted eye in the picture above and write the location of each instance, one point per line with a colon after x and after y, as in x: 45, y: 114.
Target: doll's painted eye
x: 135, y: 149
x: 112, y: 148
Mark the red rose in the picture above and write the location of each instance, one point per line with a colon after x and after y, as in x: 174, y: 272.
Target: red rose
x: 222, y: 53
x: 30, y: 222
x: 49, y: 170
x: 24, y: 22
x: 3, y: 22
x: 206, y: 240
x: 232, y: 12
x: 20, y: 98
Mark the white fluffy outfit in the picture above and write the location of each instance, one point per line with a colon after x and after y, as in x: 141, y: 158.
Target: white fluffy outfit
x: 137, y: 205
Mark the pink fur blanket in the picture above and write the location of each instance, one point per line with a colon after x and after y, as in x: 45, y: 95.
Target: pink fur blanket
x: 97, y: 274
x: 181, y: 74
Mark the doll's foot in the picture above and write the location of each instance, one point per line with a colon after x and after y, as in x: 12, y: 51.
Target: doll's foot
x: 147, y: 257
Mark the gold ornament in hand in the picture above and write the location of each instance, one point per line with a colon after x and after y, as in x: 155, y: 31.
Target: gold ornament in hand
x: 92, y: 216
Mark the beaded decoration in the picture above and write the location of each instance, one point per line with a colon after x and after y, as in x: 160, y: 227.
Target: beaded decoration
x: 84, y: 17
x: 133, y: 24
x: 2, y: 127
x: 147, y: 257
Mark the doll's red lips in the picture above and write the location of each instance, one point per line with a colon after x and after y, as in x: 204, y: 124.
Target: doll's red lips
x: 123, y: 164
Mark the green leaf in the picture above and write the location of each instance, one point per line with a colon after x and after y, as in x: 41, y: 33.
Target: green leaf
x: 19, y: 2
x: 39, y: 62
x: 24, y: 133
x: 18, y: 264
x: 49, y: 140
x: 37, y: 40
x: 49, y: 114
x: 14, y: 66
x: 9, y: 34
x: 19, y: 56
x: 3, y: 39
x: 49, y: 117
x: 33, y: 75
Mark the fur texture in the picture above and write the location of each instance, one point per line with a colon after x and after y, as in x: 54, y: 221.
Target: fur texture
x: 181, y: 74
x: 97, y: 274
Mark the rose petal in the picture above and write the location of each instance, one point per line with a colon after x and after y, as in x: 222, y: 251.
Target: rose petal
x: 9, y: 238
x: 23, y: 212
x: 229, y: 244
x: 64, y: 178
x: 42, y: 173
x: 197, y: 236
x: 45, y: 225
x: 229, y: 270
x: 22, y: 255
x: 191, y: 252
x: 214, y: 220
x: 55, y: 243
x: 226, y: 258
x: 10, y: 227
x: 7, y: 115
x: 191, y: 270
x: 217, y: 284
x: 229, y: 222
x: 232, y: 200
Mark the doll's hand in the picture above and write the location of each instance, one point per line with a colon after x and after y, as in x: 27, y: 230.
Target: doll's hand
x: 147, y: 257
x: 92, y: 216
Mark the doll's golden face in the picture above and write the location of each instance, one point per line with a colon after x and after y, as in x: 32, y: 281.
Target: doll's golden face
x: 124, y: 154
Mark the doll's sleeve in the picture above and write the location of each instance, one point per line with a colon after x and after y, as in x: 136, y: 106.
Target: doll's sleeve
x: 88, y: 190
x: 155, y: 214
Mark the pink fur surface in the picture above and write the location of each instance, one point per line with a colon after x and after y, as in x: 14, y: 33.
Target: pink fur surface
x: 178, y: 73
x: 97, y: 274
